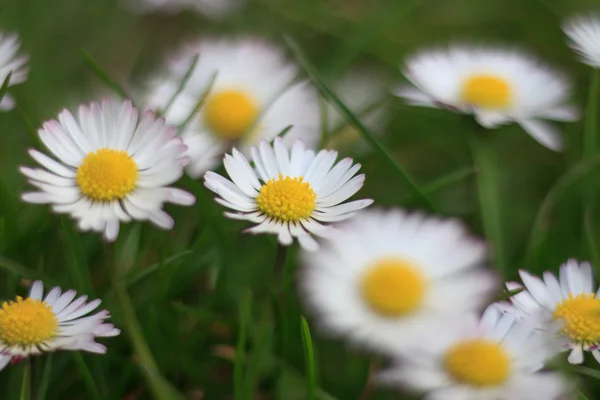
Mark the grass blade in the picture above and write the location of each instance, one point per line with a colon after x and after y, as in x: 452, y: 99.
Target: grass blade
x: 182, y: 84
x: 198, y: 105
x: 309, y: 360
x: 76, y: 259
x: 444, y: 182
x: 103, y: 76
x: 17, y: 269
x: 591, y: 243
x: 240, y: 350
x: 5, y: 84
x: 352, y: 120
x: 581, y: 395
x: 45, y: 380
x: 590, y: 143
x: 88, y: 378
x: 135, y: 277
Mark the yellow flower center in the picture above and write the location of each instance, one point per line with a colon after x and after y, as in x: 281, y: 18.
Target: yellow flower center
x: 26, y: 322
x: 393, y: 287
x: 581, y: 317
x: 107, y: 174
x: 230, y: 114
x: 287, y: 199
x: 477, y: 362
x: 486, y: 91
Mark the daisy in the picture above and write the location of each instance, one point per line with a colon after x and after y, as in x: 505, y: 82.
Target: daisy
x: 497, y: 86
x: 10, y: 61
x: 386, y: 277
x: 38, y: 324
x: 494, y: 357
x: 113, y: 167
x: 288, y: 194
x: 570, y: 300
x: 215, y: 9
x: 584, y: 35
x: 252, y: 98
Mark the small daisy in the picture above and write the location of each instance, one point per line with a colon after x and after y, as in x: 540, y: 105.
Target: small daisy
x: 252, y: 98
x: 385, y: 277
x: 584, y: 35
x: 495, y: 357
x: 10, y: 61
x: 299, y: 191
x: 113, y: 167
x: 37, y: 324
x: 571, y: 301
x: 214, y: 9
x: 497, y: 86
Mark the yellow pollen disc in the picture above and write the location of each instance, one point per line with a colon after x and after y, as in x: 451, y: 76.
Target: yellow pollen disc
x: 581, y: 317
x: 477, y: 362
x: 107, y: 175
x: 393, y: 287
x: 26, y: 322
x: 486, y: 91
x: 230, y: 114
x: 287, y: 199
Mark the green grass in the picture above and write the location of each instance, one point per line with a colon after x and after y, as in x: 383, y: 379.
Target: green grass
x: 206, y: 309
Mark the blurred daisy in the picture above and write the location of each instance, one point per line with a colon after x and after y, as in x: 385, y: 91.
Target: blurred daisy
x: 364, y: 92
x: 38, y: 324
x: 252, y: 98
x: 113, y: 167
x: 584, y: 35
x: 10, y: 61
x: 497, y: 86
x: 495, y: 357
x: 298, y: 192
x: 214, y: 9
x: 572, y: 301
x: 387, y: 277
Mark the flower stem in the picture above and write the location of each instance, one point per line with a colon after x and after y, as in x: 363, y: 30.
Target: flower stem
x: 26, y: 386
x: 590, y: 143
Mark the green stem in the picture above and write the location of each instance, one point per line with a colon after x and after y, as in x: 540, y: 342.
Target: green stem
x: 590, y: 143
x: 26, y: 386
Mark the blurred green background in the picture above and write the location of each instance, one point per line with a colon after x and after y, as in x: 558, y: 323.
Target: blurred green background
x: 194, y: 290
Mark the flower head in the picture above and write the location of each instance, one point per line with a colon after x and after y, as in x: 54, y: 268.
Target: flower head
x: 253, y: 97
x: 495, y: 357
x: 38, y: 324
x: 497, y: 86
x: 113, y: 167
x: 11, y: 63
x: 387, y: 277
x: 289, y: 194
x: 572, y: 301
x: 584, y: 34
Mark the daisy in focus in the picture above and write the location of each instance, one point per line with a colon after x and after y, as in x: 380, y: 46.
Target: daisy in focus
x: 113, y: 167
x: 494, y: 357
x: 252, y: 98
x: 11, y: 63
x: 572, y: 300
x: 497, y: 86
x: 290, y: 193
x: 214, y: 9
x: 385, y: 278
x: 584, y: 35
x: 38, y: 324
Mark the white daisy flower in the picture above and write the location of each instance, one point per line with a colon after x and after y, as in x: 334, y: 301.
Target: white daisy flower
x: 497, y: 86
x: 573, y: 301
x: 11, y: 61
x: 584, y: 34
x: 38, y: 324
x: 252, y: 98
x: 388, y: 277
x: 113, y: 167
x: 289, y: 194
x: 495, y: 357
x: 214, y: 9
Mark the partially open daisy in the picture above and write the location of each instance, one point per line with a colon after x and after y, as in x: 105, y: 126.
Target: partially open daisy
x: 571, y: 301
x: 113, y: 168
x: 11, y: 62
x: 288, y: 195
x: 37, y: 324
x: 584, y: 34
x: 495, y: 357
x: 497, y: 86
x: 387, y: 277
x: 252, y: 98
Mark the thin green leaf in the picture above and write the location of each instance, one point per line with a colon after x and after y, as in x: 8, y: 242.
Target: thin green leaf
x: 135, y: 277
x: 587, y: 371
x: 257, y: 357
x: 88, y: 378
x: 30, y: 128
x: 103, y: 76
x: 351, y: 119
x: 240, y: 350
x: 26, y: 385
x: 15, y: 268
x: 445, y: 181
x: 127, y: 249
x: 199, y: 104
x: 77, y: 261
x: 309, y: 360
x: 45, y: 380
x: 321, y: 394
x: 182, y: 84
x: 581, y: 395
x: 5, y: 84
x: 591, y: 243
x: 590, y: 143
